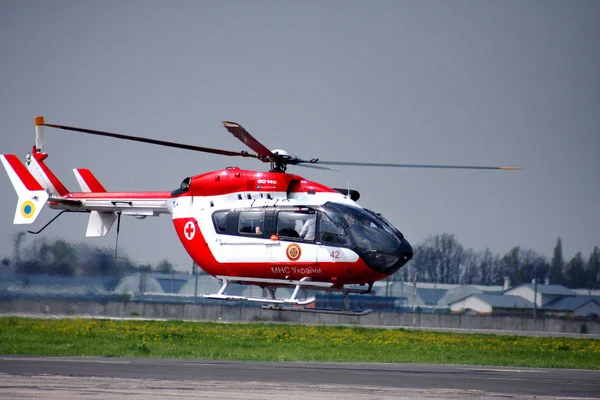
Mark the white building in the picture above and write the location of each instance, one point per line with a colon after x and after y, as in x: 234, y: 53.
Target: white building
x: 545, y: 293
x: 484, y: 304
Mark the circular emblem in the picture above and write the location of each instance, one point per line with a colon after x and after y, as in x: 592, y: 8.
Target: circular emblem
x: 27, y: 209
x: 189, y: 230
x: 293, y: 252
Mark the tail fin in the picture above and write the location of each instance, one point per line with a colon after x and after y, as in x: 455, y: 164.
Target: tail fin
x: 87, y: 181
x: 100, y: 222
x: 31, y: 195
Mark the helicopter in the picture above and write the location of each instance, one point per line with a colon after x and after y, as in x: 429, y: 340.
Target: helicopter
x: 272, y: 229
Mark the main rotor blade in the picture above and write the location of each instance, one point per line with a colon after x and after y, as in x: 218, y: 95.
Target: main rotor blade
x: 154, y: 141
x: 245, y: 137
x: 366, y: 164
x: 309, y: 165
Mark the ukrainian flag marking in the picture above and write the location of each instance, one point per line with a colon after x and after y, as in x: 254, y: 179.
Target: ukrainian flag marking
x: 27, y: 209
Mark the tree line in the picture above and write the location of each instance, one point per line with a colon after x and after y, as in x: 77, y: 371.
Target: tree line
x: 59, y: 257
x: 439, y: 258
x: 442, y: 259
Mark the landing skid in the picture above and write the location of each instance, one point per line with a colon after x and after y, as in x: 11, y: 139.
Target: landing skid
x: 279, y: 304
x: 351, y: 313
x: 221, y: 295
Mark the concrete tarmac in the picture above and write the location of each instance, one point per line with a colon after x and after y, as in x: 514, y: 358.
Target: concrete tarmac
x: 102, y: 378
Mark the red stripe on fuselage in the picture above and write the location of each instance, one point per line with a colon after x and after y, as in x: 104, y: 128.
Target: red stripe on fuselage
x: 339, y: 273
x: 118, y: 195
x: 24, y: 175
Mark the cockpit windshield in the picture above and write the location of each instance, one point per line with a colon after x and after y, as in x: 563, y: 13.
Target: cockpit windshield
x: 364, y: 229
x: 385, y: 221
x: 381, y: 245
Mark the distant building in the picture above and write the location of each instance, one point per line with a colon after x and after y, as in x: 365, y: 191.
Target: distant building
x: 588, y: 292
x: 497, y: 304
x: 577, y: 306
x: 545, y: 293
x: 428, y: 296
x: 462, y: 291
x: 551, y: 301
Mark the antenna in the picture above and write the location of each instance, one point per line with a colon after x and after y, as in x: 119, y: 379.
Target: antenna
x: 118, y: 228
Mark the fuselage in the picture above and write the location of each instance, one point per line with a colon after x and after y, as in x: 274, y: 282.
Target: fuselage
x: 245, y: 223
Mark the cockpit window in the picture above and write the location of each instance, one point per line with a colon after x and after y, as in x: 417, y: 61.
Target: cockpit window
x: 331, y: 230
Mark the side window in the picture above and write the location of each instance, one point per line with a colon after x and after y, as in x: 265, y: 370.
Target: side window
x: 251, y: 222
x: 220, y: 221
x: 288, y: 224
x: 292, y: 224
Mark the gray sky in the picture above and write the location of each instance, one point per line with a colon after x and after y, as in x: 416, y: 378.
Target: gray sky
x: 461, y: 82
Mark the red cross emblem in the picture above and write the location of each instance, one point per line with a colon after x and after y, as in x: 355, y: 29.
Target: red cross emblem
x: 189, y: 230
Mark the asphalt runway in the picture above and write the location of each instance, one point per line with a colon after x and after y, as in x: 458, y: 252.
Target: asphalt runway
x: 102, y: 378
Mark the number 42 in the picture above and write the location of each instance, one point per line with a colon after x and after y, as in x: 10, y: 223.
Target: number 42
x: 335, y: 254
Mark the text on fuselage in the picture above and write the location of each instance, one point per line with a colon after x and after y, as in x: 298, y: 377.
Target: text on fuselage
x: 295, y: 270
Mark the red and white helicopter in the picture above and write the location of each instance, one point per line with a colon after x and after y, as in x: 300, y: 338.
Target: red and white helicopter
x: 271, y: 229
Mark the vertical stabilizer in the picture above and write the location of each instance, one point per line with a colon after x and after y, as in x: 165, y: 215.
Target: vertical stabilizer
x: 87, y: 181
x: 31, y: 195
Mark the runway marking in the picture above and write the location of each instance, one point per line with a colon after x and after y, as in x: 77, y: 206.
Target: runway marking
x: 504, y: 370
x: 450, y: 390
x: 63, y: 360
x: 206, y: 364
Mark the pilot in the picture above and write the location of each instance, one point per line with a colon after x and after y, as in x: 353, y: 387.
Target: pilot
x: 287, y: 228
x: 362, y: 230
x: 361, y: 221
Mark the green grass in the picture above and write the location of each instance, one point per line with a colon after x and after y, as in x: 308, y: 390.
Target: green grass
x: 269, y: 342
